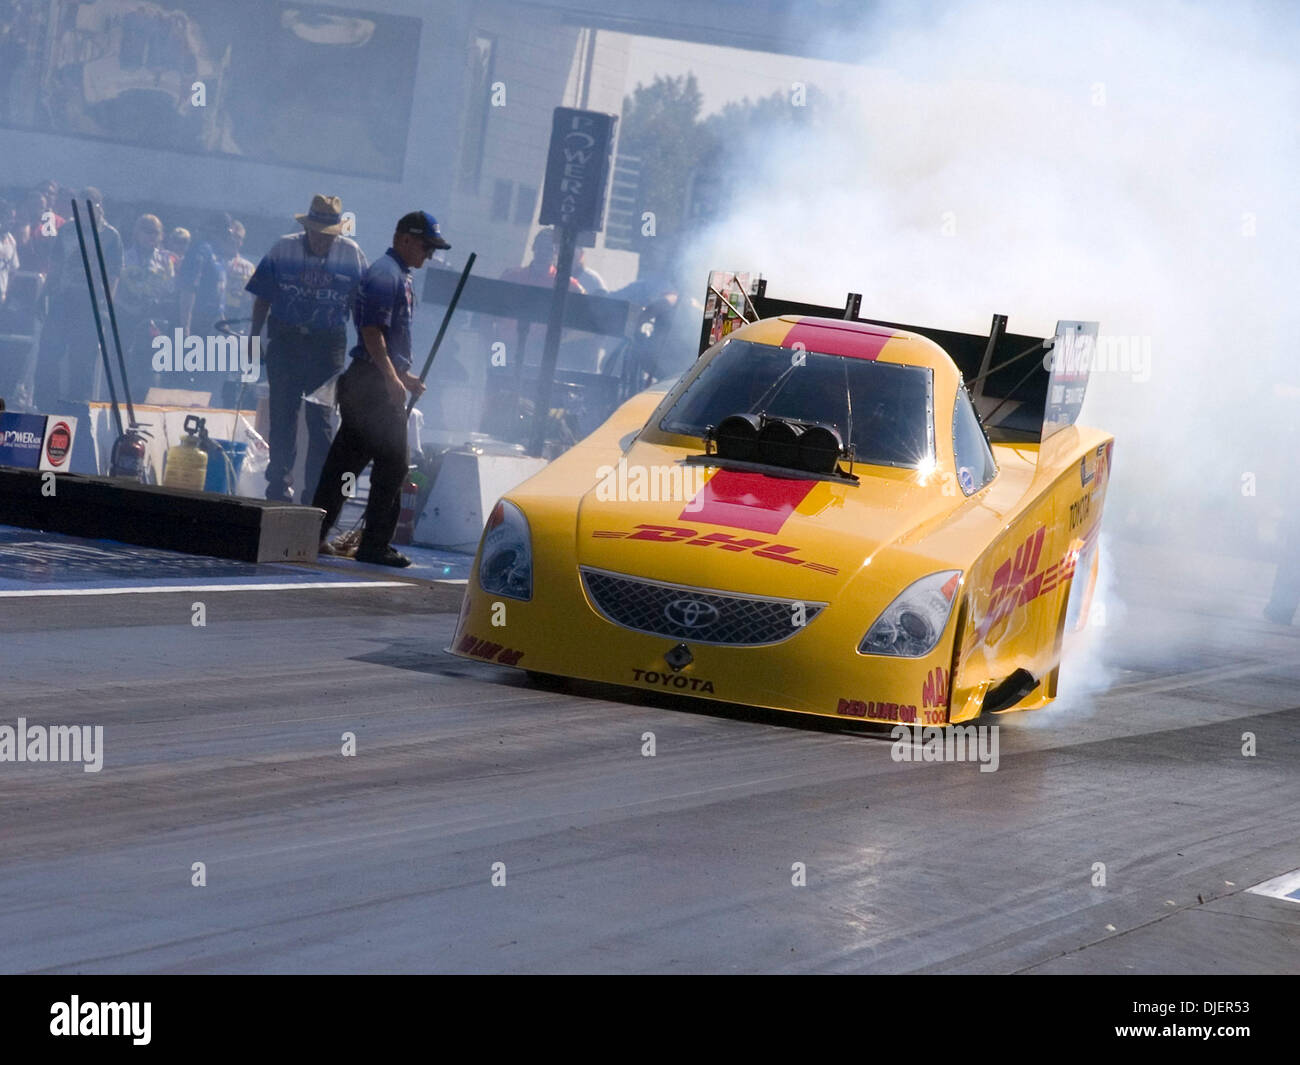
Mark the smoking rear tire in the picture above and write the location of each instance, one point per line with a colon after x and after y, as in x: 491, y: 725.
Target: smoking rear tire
x: 1083, y: 589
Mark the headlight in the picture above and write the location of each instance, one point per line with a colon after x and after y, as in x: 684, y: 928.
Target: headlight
x: 506, y: 561
x: 912, y: 624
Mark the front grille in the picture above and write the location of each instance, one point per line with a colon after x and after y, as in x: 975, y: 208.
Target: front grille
x: 695, y: 614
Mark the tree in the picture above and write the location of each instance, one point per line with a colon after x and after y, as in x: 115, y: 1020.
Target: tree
x: 689, y: 166
x: 661, y: 128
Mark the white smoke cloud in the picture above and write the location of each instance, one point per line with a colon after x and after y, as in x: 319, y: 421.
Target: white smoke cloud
x: 1133, y: 165
x: 1137, y: 167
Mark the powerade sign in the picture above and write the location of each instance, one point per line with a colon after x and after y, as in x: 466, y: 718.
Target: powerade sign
x: 36, y: 441
x: 21, y: 438
x: 577, y: 169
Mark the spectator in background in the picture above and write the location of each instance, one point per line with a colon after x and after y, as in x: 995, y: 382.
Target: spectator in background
x: 67, y: 363
x: 148, y: 279
x: 239, y: 301
x: 9, y: 263
x: 66, y: 270
x: 146, y: 292
x: 304, y: 290
x: 201, y: 285
x: 37, y: 230
x: 202, y: 278
x: 176, y: 245
x: 541, y: 270
x: 50, y: 189
x: 13, y: 353
x: 590, y: 281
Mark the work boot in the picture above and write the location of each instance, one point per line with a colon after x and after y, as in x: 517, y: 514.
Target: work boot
x: 280, y: 490
x: 388, y: 556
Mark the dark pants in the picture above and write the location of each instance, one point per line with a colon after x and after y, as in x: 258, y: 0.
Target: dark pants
x: 69, y: 359
x: 373, y: 429
x: 1286, y: 586
x: 296, y: 365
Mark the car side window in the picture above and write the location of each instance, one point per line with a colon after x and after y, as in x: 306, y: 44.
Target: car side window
x: 975, y: 464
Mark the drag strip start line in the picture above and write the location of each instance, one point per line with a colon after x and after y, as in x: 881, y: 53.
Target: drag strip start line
x: 160, y: 589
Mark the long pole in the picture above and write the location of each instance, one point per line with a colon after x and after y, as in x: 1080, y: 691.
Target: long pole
x: 99, y: 324
x: 112, y: 314
x: 554, y: 327
x: 446, y: 320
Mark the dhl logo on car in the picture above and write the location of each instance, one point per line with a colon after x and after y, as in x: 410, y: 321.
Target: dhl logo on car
x: 1015, y: 582
x: 672, y: 534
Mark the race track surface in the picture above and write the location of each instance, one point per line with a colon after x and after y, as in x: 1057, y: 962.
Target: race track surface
x: 222, y: 745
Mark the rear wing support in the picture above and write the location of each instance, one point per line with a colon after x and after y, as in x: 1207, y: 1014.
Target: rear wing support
x: 1024, y: 388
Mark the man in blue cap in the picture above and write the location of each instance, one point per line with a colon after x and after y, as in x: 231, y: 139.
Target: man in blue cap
x: 372, y: 392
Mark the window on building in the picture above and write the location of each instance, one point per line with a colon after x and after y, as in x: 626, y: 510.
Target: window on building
x: 502, y: 193
x: 482, y: 56
x: 525, y: 205
x: 623, y: 219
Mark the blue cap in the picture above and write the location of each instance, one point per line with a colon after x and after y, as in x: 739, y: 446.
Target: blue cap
x: 422, y: 224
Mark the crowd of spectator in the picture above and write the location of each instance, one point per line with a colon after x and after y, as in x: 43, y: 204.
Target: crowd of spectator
x: 161, y: 278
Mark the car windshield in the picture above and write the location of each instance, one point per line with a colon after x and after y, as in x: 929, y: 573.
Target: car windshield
x: 880, y: 408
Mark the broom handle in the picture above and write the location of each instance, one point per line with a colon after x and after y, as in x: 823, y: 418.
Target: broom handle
x: 112, y: 314
x: 99, y: 324
x: 446, y: 320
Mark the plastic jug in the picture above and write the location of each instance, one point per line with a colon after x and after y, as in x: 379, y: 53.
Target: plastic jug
x: 187, y: 463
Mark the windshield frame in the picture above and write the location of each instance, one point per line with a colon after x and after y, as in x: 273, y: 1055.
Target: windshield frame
x: 927, y: 461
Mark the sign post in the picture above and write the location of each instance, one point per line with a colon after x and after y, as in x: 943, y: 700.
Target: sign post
x: 573, y: 200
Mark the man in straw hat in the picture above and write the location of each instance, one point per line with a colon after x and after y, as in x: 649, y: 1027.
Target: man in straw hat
x: 303, y: 292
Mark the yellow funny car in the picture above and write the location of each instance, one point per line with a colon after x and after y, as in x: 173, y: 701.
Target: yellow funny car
x: 826, y: 514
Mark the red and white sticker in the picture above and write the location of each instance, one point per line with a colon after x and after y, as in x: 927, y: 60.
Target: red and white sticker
x: 56, y: 448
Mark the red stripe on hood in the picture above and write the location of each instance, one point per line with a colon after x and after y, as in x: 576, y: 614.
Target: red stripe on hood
x: 859, y: 343
x: 750, y: 501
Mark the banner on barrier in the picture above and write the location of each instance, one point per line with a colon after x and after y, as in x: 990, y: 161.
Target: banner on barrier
x: 36, y: 441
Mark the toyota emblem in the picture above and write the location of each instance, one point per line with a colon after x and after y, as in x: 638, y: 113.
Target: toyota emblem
x: 691, y: 613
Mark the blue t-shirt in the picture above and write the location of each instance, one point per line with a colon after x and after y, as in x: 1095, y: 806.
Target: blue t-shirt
x: 385, y: 299
x: 203, y: 272
x: 308, y: 290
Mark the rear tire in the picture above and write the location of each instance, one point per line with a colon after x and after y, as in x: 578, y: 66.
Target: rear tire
x: 1078, y: 605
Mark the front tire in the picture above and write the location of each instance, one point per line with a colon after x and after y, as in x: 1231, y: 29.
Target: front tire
x: 546, y: 681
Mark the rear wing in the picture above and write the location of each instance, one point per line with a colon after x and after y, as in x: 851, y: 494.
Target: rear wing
x: 1024, y: 388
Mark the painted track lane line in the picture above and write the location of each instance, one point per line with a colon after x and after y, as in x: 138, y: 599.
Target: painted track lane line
x: 1285, y: 887
x: 160, y: 589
